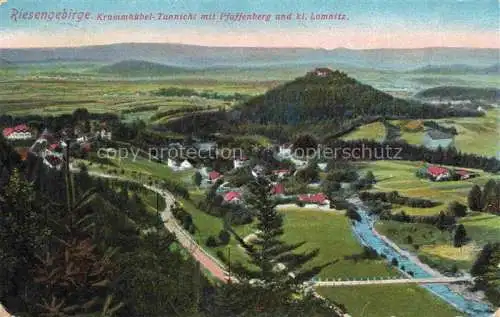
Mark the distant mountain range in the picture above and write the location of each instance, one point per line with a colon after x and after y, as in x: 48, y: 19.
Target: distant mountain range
x: 458, y: 69
x: 180, y: 55
x: 5, y: 63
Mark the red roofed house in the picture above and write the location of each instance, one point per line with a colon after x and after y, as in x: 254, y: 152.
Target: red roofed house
x: 53, y: 147
x: 278, y: 189
x: 19, y: 132
x: 213, y: 176
x: 240, y: 161
x: 281, y: 173
x: 232, y: 197
x: 318, y: 198
x: 438, y: 173
x: 53, y: 161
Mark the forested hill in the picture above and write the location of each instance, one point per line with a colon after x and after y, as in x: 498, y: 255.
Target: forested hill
x: 324, y: 94
x: 461, y: 93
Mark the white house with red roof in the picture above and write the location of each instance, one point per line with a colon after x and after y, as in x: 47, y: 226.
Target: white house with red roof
x: 438, y: 173
x: 233, y: 197
x: 463, y: 174
x: 53, y: 160
x: 278, y: 189
x: 213, y: 176
x: 318, y: 199
x: 240, y: 162
x: 281, y: 173
x: 19, y: 132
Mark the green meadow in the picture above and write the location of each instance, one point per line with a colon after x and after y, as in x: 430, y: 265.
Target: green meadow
x: 373, y: 131
x: 400, y: 176
x: 389, y: 300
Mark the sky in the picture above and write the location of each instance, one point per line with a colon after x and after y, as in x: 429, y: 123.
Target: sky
x: 367, y: 23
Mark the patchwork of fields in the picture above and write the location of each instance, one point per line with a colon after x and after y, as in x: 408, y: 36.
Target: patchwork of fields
x: 54, y: 97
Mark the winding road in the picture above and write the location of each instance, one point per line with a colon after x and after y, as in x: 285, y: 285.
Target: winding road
x: 210, y: 263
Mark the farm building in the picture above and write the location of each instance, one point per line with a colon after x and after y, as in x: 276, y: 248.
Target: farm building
x: 19, y: 132
x: 438, y: 173
x: 319, y: 199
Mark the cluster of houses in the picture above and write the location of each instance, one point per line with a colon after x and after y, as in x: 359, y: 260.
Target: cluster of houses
x: 51, y: 148
x: 235, y: 195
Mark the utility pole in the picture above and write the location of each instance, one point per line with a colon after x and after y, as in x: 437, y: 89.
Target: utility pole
x: 229, y: 263
x: 69, y: 185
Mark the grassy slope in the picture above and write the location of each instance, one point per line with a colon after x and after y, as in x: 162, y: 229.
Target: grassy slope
x: 389, y: 300
x: 400, y: 176
x: 477, y: 135
x: 373, y: 131
x: 433, y: 244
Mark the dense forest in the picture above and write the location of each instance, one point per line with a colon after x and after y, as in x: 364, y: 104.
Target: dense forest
x: 460, y: 93
x: 91, y: 248
x: 73, y: 245
x: 314, y: 98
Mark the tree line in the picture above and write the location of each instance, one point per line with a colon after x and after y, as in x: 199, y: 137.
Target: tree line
x: 410, y: 152
x: 486, y: 199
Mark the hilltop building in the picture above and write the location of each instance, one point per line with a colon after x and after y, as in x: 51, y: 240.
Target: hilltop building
x: 322, y: 72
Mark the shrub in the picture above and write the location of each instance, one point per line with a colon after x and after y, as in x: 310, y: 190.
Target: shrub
x: 353, y: 214
x: 211, y: 242
x: 224, y: 237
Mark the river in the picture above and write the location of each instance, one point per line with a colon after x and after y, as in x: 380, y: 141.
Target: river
x: 363, y: 230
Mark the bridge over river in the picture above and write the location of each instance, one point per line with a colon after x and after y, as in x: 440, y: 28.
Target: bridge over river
x: 431, y: 280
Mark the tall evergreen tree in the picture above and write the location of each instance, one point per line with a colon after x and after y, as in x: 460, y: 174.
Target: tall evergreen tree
x: 474, y: 198
x: 460, y: 238
x: 489, y: 198
x: 274, y: 285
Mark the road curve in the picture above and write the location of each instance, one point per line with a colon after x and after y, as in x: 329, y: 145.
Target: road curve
x: 210, y: 263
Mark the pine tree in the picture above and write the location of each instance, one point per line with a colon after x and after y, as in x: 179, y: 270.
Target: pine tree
x: 474, y: 198
x: 460, y: 238
x: 197, y: 178
x: 489, y: 197
x: 274, y: 286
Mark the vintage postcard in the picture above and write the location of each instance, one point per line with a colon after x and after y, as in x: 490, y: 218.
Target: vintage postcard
x: 219, y: 158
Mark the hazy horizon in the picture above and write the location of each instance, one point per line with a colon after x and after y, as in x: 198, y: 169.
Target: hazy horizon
x: 368, y: 24
x: 257, y: 47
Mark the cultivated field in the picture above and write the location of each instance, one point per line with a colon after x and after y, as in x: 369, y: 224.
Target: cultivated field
x: 53, y: 97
